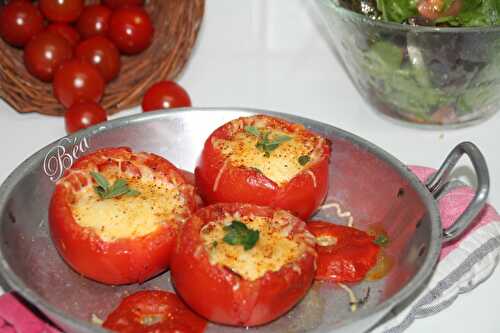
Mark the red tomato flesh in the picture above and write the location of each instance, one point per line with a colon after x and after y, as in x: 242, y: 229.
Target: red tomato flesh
x: 165, y: 95
x: 345, y: 254
x: 77, y: 81
x: 82, y: 115
x: 126, y: 259
x: 223, y: 296
x: 153, y: 311
x: 219, y: 180
x: 45, y: 53
x: 19, y: 22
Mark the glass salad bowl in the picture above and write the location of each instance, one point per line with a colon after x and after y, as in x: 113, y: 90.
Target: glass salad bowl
x: 419, y: 74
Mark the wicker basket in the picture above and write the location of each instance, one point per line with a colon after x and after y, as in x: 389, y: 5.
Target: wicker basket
x: 176, y: 25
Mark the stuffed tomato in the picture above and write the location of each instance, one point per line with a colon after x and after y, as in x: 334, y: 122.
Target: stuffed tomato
x: 265, y: 161
x: 242, y: 264
x: 115, y: 215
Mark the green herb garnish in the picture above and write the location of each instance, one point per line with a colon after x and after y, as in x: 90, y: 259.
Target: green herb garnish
x: 304, y: 159
x: 237, y: 233
x: 107, y: 191
x: 265, y: 143
x: 381, y: 240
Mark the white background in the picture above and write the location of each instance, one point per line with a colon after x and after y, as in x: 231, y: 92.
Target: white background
x: 271, y: 55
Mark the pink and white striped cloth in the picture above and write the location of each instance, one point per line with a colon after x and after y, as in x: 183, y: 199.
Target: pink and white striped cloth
x: 463, y: 265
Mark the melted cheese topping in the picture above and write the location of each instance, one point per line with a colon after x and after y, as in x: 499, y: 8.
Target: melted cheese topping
x: 127, y: 216
x: 281, y: 165
x: 274, y: 249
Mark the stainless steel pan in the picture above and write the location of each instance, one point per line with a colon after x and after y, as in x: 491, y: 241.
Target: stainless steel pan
x: 365, y: 180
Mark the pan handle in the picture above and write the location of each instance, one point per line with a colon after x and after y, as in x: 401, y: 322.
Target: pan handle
x: 438, y: 180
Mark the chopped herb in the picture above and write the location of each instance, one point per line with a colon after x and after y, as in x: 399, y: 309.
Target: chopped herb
x: 214, y: 244
x: 265, y: 143
x: 119, y: 187
x: 304, y: 159
x: 237, y: 233
x: 381, y: 240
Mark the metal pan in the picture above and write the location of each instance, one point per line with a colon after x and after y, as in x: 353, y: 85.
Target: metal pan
x: 372, y: 185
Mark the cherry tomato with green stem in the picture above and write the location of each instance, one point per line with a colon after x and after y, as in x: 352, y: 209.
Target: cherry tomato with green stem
x: 77, y: 81
x: 102, y: 53
x: 131, y: 29
x: 82, y: 115
x: 61, y: 10
x: 94, y: 21
x: 19, y: 22
x: 165, y: 95
x: 44, y: 53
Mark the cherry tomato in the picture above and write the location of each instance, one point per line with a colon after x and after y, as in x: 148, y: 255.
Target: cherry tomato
x: 61, y: 10
x: 102, y: 53
x: 94, y: 21
x: 153, y: 311
x: 124, y: 238
x: 165, y: 95
x: 434, y: 9
x: 19, y: 22
x: 66, y: 31
x: 131, y: 29
x: 118, y: 3
x: 292, y: 175
x: 345, y: 254
x: 254, y: 293
x: 45, y: 53
x: 77, y: 81
x: 82, y: 115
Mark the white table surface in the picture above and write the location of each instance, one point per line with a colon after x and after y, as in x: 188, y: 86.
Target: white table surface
x: 271, y: 55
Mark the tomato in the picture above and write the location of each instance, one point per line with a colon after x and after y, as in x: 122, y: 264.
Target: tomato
x: 19, y: 22
x: 225, y: 294
x: 131, y: 29
x: 345, y: 254
x: 153, y: 311
x: 434, y: 9
x: 221, y: 177
x: 102, y: 53
x: 119, y: 3
x: 61, y: 10
x: 121, y: 239
x: 94, y: 21
x: 165, y: 95
x: 83, y: 115
x: 45, y: 53
x: 66, y: 31
x: 77, y: 81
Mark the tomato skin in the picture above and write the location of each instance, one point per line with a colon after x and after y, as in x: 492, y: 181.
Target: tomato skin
x: 82, y: 115
x: 131, y: 29
x: 165, y: 95
x: 175, y: 316
x: 124, y: 261
x: 224, y: 297
x: 45, y: 53
x: 118, y: 3
x: 102, y: 53
x: 94, y: 21
x: 77, y: 81
x: 61, y: 10
x: 301, y: 195
x: 433, y: 9
x: 66, y: 31
x: 349, y: 259
x: 19, y: 22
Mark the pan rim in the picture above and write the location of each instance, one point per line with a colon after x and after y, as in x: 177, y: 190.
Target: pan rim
x: 413, y: 285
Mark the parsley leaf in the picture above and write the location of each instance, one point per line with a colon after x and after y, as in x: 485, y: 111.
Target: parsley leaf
x: 381, y: 240
x: 237, y: 233
x: 119, y: 187
x: 265, y: 142
x: 304, y: 159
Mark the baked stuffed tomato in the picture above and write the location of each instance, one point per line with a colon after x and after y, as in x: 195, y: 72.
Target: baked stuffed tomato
x: 242, y: 264
x: 115, y: 215
x: 265, y: 161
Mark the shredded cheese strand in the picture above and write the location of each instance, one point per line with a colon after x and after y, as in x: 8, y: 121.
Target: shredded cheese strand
x: 310, y: 173
x: 340, y: 213
x: 219, y: 175
x: 352, y: 297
